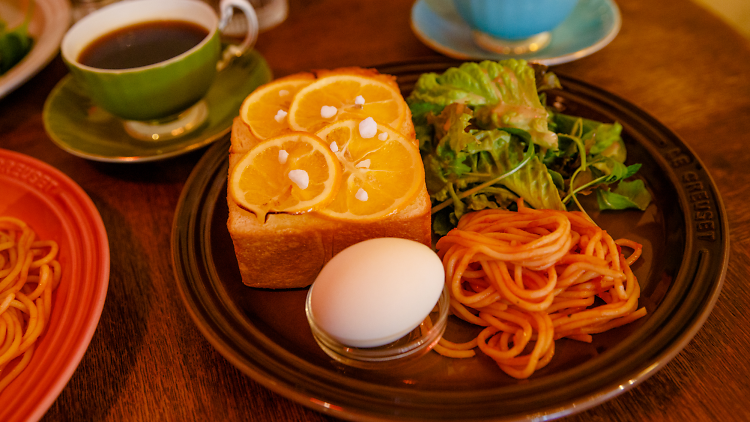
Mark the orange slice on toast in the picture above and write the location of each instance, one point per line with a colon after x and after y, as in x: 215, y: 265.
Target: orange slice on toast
x: 265, y: 110
x: 337, y: 97
x: 293, y: 172
x: 382, y: 169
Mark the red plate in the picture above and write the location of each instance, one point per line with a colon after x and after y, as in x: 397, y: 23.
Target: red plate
x: 57, y: 209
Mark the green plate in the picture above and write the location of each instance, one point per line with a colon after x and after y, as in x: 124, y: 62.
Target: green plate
x: 82, y: 129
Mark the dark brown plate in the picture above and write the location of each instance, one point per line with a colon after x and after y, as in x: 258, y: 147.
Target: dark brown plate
x: 265, y: 334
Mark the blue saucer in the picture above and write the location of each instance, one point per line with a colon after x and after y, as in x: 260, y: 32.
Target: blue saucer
x: 592, y: 25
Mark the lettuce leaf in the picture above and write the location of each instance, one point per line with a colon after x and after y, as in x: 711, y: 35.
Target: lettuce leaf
x: 626, y: 195
x: 423, y: 129
x: 486, y: 141
x: 15, y: 43
x: 472, y: 169
x: 502, y: 94
x: 535, y: 185
x: 468, y: 84
x: 597, y: 136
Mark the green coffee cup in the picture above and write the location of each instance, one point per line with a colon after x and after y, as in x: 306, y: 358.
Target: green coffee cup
x: 158, y: 91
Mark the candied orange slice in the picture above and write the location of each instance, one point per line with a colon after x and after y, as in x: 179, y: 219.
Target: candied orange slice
x: 294, y: 172
x: 265, y: 109
x: 382, y: 169
x: 339, y: 97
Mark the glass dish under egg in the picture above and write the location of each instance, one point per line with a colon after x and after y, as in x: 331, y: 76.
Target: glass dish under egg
x: 404, y: 350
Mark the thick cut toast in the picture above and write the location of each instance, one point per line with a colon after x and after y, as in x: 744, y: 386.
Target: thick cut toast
x: 289, y: 250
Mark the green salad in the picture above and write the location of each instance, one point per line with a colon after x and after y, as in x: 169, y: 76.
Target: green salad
x: 487, y: 139
x: 15, y: 43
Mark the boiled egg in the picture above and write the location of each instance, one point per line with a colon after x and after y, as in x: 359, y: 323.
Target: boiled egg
x: 376, y: 291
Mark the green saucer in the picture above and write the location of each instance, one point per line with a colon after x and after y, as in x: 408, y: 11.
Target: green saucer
x: 82, y: 129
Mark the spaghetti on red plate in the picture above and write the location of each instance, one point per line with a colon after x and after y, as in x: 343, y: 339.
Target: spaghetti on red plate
x: 29, y: 273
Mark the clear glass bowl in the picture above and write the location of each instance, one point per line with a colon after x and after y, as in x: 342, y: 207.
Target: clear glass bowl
x: 404, y: 350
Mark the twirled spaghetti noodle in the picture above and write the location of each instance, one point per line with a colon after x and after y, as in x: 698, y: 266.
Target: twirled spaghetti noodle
x: 531, y: 277
x: 29, y: 272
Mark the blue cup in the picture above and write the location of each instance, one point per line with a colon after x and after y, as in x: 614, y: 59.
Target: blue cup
x: 514, y: 19
x: 513, y: 26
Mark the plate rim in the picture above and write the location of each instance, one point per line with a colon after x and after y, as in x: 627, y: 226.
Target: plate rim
x: 676, y: 342
x: 56, y: 16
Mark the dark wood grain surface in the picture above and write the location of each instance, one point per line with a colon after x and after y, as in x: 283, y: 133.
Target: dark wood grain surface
x: 148, y: 361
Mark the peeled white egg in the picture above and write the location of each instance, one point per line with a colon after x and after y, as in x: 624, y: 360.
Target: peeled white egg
x: 377, y: 291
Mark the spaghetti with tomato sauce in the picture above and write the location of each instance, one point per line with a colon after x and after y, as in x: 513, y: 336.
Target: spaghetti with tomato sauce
x: 29, y: 273
x: 534, y: 276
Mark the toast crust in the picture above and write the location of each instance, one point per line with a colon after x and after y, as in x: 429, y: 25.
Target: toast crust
x: 289, y: 250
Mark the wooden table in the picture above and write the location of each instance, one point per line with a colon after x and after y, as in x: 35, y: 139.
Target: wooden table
x: 148, y: 361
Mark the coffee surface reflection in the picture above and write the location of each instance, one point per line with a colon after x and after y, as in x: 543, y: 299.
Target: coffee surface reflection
x: 142, y: 44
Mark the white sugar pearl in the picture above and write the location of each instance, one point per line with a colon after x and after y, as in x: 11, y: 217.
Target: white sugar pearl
x: 361, y: 195
x: 280, y: 115
x: 334, y: 147
x: 364, y: 164
x: 368, y: 128
x: 300, y: 178
x: 360, y: 100
x: 283, y: 155
x: 327, y: 112
x: 383, y: 136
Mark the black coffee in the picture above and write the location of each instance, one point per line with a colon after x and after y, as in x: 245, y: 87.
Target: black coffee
x: 142, y: 44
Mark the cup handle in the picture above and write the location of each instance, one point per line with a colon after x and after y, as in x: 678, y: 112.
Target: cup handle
x: 232, y: 51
